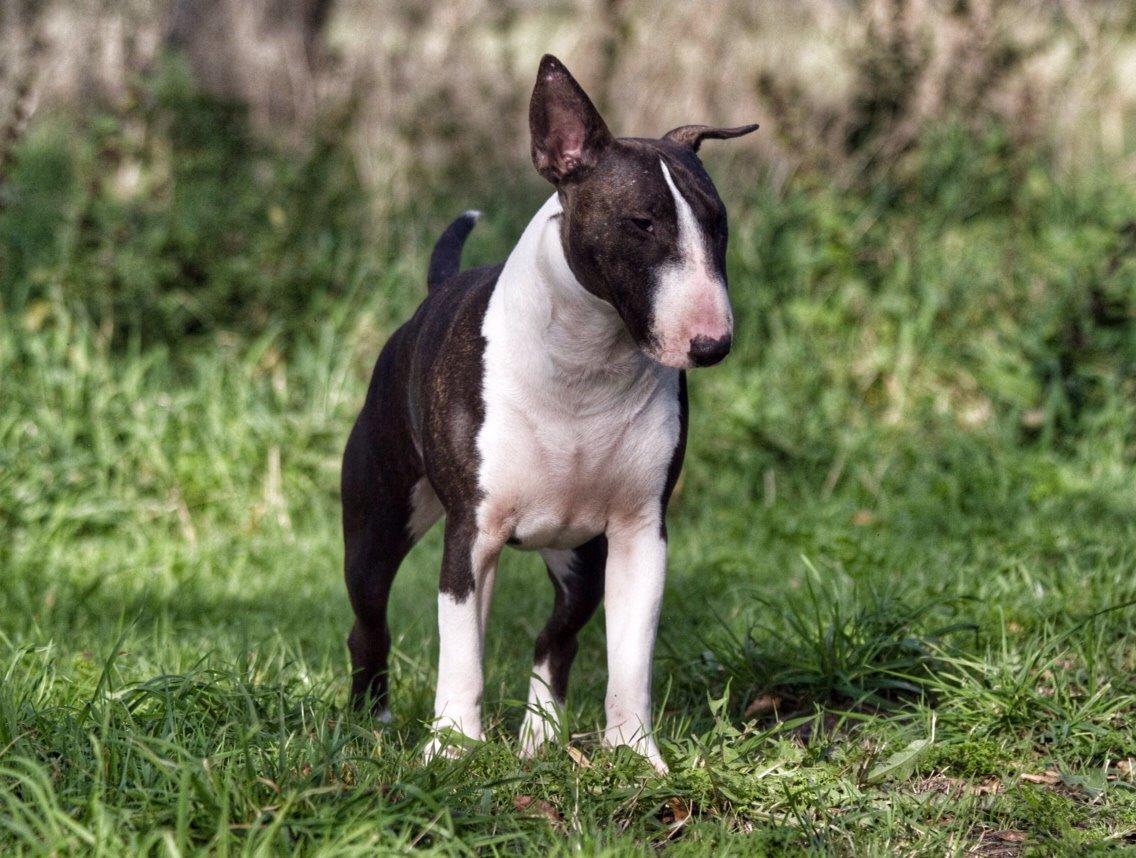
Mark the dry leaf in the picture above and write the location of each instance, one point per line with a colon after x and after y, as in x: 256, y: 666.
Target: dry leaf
x: 1008, y: 836
x: 863, y: 517
x: 1048, y: 778
x: 677, y: 811
x: 674, y: 816
x: 537, y: 807
x: 579, y: 758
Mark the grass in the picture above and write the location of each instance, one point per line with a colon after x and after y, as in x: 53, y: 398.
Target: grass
x: 903, y: 551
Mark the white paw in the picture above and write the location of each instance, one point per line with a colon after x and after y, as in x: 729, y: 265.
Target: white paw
x: 438, y: 747
x: 449, y: 740
x: 544, y: 715
x: 657, y: 762
x: 641, y: 744
x: 536, y: 730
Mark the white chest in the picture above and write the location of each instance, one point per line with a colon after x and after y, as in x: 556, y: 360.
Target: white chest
x: 580, y: 428
x: 554, y: 475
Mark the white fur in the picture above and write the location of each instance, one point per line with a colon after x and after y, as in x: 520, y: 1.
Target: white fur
x: 580, y: 427
x: 457, y: 702
x: 544, y: 717
x: 633, y: 595
x: 690, y: 296
x: 545, y: 713
x: 461, y: 643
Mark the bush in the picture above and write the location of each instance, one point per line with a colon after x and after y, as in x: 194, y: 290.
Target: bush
x: 167, y: 218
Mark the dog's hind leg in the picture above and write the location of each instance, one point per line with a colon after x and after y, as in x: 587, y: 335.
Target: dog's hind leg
x: 578, y: 580
x: 387, y: 506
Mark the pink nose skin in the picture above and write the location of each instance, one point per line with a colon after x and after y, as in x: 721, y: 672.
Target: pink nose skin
x: 705, y: 351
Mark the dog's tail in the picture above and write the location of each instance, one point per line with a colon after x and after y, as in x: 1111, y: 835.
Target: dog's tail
x: 445, y: 261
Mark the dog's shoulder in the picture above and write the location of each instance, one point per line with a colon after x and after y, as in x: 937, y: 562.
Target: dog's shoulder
x: 447, y: 377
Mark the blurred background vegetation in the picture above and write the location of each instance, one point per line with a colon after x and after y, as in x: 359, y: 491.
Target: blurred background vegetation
x: 935, y: 224
x: 182, y: 168
x: 213, y: 212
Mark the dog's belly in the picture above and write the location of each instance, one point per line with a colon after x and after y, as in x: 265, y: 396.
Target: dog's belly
x: 555, y: 481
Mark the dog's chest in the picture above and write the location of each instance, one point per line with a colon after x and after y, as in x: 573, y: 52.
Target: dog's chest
x: 579, y: 427
x: 559, y: 467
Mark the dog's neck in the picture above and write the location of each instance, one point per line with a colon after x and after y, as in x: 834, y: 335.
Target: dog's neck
x: 562, y: 334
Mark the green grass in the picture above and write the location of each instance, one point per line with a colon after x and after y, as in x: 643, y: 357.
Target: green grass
x: 907, y: 522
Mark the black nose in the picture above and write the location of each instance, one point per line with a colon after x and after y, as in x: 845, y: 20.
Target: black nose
x: 707, y: 352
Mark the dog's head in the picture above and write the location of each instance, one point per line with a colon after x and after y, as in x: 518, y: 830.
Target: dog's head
x: 643, y: 227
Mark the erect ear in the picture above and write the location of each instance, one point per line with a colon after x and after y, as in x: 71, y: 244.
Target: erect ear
x: 691, y: 136
x: 568, y: 134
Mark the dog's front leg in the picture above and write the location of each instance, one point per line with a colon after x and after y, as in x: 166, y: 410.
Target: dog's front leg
x: 469, y: 564
x: 633, y: 581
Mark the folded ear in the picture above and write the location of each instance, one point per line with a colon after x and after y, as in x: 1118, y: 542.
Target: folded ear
x: 568, y: 134
x: 691, y: 136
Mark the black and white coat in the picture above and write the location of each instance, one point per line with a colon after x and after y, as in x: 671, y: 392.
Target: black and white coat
x: 542, y: 404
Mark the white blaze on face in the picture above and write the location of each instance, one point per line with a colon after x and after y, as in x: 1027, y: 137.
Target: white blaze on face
x: 690, y: 295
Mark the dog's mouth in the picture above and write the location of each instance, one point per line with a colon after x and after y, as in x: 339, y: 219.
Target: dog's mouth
x: 701, y: 351
x: 668, y: 357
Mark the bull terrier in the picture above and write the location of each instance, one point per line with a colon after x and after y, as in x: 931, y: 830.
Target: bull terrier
x: 541, y: 403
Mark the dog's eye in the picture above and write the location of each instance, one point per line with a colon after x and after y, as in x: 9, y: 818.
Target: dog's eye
x: 642, y: 224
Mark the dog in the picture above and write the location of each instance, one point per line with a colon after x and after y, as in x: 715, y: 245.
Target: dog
x: 541, y: 403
